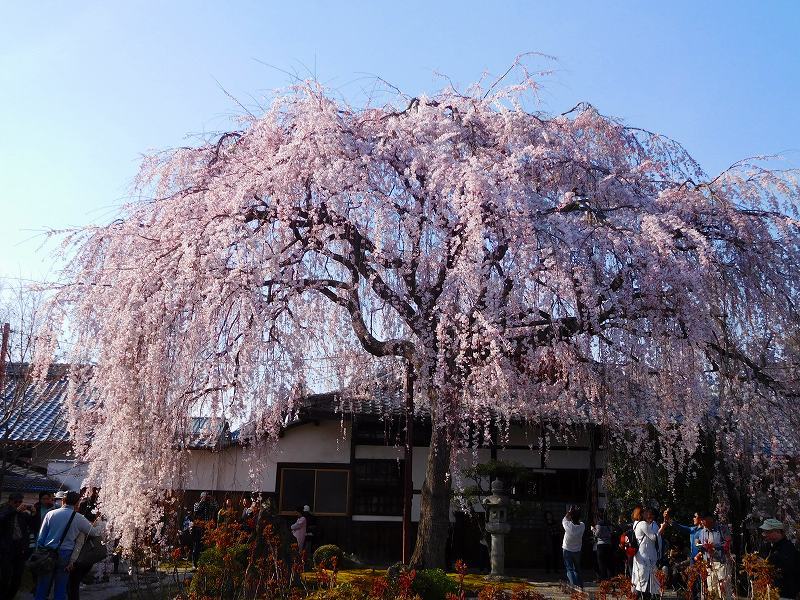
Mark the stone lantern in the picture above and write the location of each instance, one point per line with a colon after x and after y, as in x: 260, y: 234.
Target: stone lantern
x: 496, y: 506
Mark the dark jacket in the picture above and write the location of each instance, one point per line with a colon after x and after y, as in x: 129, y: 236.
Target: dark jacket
x: 784, y: 557
x: 88, y: 508
x: 14, y: 531
x: 206, y: 510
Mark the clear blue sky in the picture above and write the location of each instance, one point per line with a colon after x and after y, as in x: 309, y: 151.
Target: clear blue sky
x: 86, y: 87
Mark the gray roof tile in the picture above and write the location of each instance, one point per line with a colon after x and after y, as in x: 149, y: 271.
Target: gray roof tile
x: 37, y: 411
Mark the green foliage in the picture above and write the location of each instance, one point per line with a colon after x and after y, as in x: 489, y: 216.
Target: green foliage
x: 324, y: 555
x: 433, y: 584
x: 219, y: 569
x: 428, y: 584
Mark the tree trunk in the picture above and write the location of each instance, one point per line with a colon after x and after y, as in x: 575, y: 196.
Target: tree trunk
x: 434, y: 520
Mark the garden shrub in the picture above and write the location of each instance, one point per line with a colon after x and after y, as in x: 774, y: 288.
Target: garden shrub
x: 324, y: 554
x: 433, y: 584
x: 218, y: 568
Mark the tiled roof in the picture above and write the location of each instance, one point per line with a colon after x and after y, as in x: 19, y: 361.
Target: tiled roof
x: 21, y: 479
x: 42, y: 416
x: 38, y: 412
x: 205, y: 432
x: 380, y: 402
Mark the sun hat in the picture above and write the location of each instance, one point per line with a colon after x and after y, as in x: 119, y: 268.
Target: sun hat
x: 771, y: 525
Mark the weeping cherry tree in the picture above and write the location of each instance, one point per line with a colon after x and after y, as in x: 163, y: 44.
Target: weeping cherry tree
x: 563, y: 269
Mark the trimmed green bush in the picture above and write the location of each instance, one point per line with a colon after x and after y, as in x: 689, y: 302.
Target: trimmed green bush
x: 324, y: 554
x: 433, y: 584
x: 429, y: 584
x: 212, y: 573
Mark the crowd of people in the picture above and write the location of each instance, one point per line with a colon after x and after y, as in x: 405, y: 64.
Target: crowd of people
x: 207, y: 511
x: 61, y: 525
x: 640, y: 549
x: 64, y: 523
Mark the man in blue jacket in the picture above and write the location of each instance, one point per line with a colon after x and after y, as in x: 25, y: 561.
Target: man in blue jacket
x: 694, y: 531
x: 60, y: 529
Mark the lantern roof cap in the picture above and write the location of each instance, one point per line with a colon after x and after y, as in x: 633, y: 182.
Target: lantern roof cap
x: 498, y: 496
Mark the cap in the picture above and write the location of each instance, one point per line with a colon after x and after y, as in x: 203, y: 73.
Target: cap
x: 306, y: 508
x: 60, y: 495
x: 771, y: 525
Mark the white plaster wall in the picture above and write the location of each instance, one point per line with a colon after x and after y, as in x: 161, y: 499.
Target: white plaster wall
x: 415, y: 503
x: 330, y: 443
x: 420, y: 462
x: 230, y: 468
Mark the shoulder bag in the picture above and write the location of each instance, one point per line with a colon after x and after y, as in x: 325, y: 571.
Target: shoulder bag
x: 93, y: 551
x: 44, y: 560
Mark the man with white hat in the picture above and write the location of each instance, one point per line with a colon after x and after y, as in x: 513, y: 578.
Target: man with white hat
x: 782, y: 554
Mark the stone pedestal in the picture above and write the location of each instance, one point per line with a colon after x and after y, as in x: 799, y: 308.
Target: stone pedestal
x: 498, y: 552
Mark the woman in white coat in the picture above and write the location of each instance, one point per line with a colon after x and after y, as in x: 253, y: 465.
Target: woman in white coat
x: 648, y: 534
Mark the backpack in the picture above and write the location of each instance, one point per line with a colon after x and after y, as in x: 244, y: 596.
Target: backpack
x: 628, y: 542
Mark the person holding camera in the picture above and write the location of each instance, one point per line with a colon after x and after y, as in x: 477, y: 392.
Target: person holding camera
x: 571, y: 546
